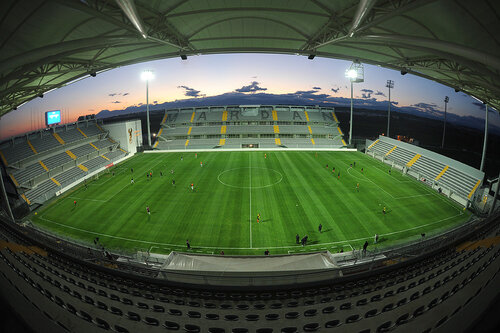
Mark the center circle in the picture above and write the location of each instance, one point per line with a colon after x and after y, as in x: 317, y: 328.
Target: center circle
x: 250, y: 177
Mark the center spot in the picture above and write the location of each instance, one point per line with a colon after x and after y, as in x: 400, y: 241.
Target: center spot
x: 250, y: 177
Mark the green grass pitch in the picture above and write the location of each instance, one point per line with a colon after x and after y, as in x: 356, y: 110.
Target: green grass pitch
x: 292, y: 191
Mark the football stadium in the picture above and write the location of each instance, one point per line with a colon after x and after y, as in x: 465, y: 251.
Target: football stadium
x: 247, y: 217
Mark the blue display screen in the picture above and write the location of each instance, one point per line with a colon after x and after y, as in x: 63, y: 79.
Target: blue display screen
x: 52, y: 117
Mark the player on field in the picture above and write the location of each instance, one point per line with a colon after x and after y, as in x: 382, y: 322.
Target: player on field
x: 173, y: 182
x: 354, y: 163
x: 147, y: 210
x: 187, y: 244
x: 131, y: 170
x: 361, y: 170
x: 338, y: 176
x: 333, y: 171
x: 357, y: 187
x: 384, y: 210
x: 376, y: 238
x: 182, y: 158
x: 172, y: 171
x: 258, y: 217
x: 327, y: 166
x: 161, y: 173
x: 74, y: 203
x: 195, y: 155
x: 201, y: 164
x: 297, y: 238
x: 132, y: 181
x: 320, y: 227
x: 147, y: 176
x: 192, y: 186
x: 265, y: 155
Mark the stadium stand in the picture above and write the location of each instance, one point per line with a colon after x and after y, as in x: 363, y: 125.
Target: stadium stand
x: 455, y: 179
x: 260, y: 126
x: 80, y: 290
x: 43, y: 162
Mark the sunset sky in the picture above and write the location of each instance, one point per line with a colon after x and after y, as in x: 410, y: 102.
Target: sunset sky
x: 212, y: 75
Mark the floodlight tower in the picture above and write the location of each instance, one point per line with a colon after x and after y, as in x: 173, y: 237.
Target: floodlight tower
x: 355, y: 73
x: 146, y: 76
x: 446, y: 100
x: 390, y: 84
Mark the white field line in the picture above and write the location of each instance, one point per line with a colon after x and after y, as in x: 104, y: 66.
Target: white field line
x: 246, y: 248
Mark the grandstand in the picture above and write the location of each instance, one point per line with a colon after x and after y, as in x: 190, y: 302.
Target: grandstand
x: 44, y: 162
x: 262, y: 126
x: 444, y: 281
x: 457, y: 180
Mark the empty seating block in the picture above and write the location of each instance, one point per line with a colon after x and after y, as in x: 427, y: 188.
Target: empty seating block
x: 57, y: 160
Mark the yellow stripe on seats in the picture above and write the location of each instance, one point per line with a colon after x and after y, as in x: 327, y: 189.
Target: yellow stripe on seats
x: 107, y: 159
x: 474, y: 189
x: 312, y: 141
x: 14, y: 179
x: 93, y: 146
x: 99, y: 127
x: 373, y: 144
x: 413, y: 160
x: 58, y: 138
x: 310, y: 130
x: 222, y: 142
x: 73, y: 156
x: 83, y: 167
x: 164, y: 118
x: 390, y: 151
x: 276, y: 128
x: 161, y: 131
x: 187, y: 142
x: 277, y: 141
x: 31, y: 146
x: 3, y: 159
x: 156, y: 143
x: 111, y: 140
x: 275, y: 115
x: 26, y: 199
x: 122, y: 150
x: 340, y: 132
x: 223, y: 129
x: 55, y: 181
x: 189, y: 130
x: 335, y: 117
x: 44, y: 166
x: 343, y: 142
x: 442, y: 172
x: 307, y: 116
x: 192, y: 117
x: 224, y: 115
x: 79, y: 130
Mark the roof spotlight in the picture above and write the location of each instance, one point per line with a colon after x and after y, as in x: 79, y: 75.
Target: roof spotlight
x: 404, y: 72
x: 184, y: 57
x: 311, y: 56
x: 93, y: 74
x: 457, y: 90
x: 40, y: 95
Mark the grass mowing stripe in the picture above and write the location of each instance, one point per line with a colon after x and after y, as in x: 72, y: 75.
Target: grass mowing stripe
x: 215, y: 216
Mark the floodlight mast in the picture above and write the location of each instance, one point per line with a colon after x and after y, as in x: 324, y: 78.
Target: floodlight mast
x: 390, y: 84
x: 483, y: 156
x: 446, y: 100
x: 355, y: 73
x: 147, y: 75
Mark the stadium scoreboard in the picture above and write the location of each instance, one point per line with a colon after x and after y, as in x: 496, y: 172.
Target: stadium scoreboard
x: 52, y: 117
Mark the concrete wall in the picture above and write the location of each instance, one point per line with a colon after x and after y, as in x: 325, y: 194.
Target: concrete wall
x: 127, y: 133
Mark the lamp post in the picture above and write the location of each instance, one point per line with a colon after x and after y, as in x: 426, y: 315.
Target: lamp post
x: 390, y: 84
x: 146, y: 76
x: 355, y: 73
x: 446, y: 100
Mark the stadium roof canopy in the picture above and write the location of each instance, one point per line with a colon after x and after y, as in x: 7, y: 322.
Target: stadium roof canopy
x: 45, y: 44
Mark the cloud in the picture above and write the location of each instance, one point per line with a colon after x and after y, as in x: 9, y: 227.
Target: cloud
x: 479, y: 105
x: 254, y: 77
x: 90, y: 110
x: 379, y: 93
x: 335, y: 90
x: 125, y: 94
x: 155, y: 102
x: 113, y: 94
x: 317, y: 88
x: 118, y: 94
x: 191, y: 91
x: 140, y: 104
x: 116, y: 102
x: 252, y: 87
x: 367, y: 93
